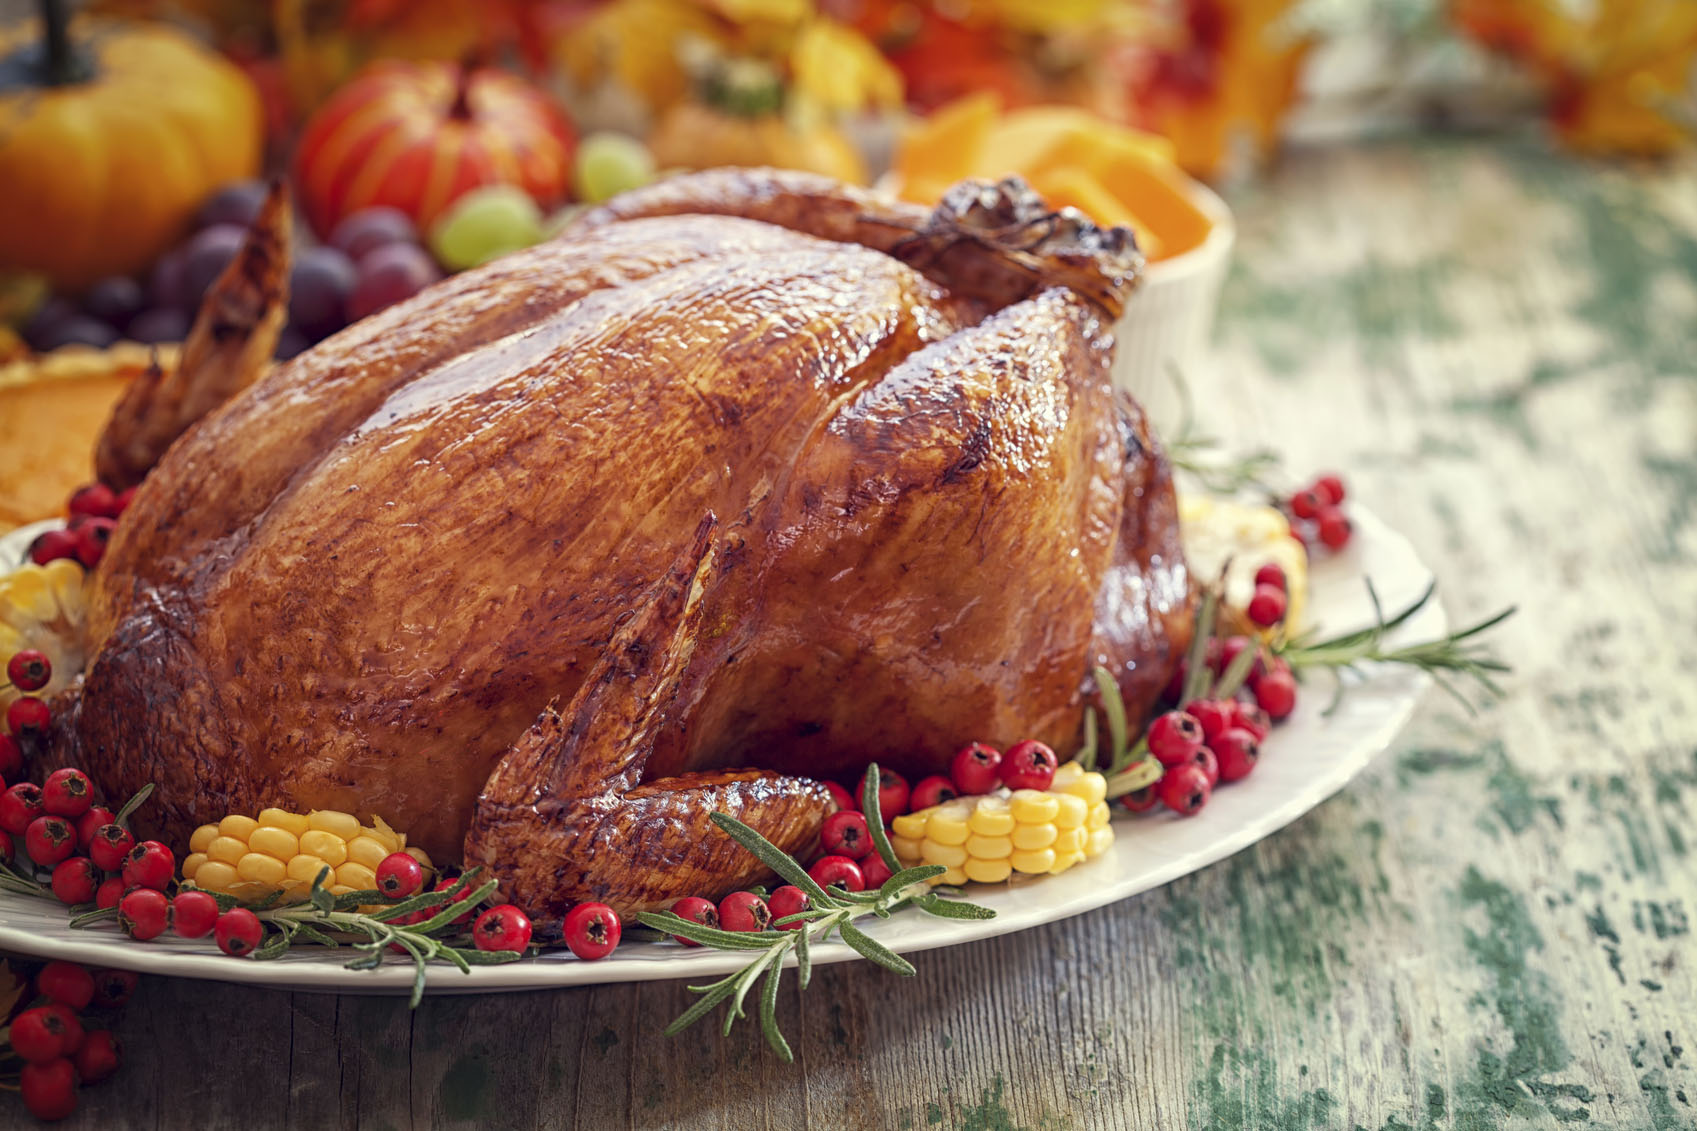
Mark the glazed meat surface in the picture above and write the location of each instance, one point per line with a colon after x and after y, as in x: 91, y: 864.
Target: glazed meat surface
x: 745, y: 480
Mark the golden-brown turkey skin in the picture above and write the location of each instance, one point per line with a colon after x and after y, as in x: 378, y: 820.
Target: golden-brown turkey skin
x: 361, y: 583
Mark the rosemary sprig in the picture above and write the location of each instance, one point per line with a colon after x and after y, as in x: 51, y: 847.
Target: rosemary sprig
x: 1199, y: 453
x: 831, y: 910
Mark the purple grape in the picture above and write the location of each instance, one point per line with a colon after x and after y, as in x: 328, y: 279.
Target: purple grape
x: 290, y: 342
x: 236, y: 203
x: 371, y: 228
x: 161, y: 324
x: 205, y: 258
x: 319, y: 287
x: 44, y: 324
x: 114, y: 300
x: 79, y: 329
x: 388, y: 275
x: 165, y: 285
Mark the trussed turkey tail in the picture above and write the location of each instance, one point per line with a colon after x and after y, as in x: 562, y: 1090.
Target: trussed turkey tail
x: 231, y: 343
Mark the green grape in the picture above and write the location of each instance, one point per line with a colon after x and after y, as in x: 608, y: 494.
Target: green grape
x: 484, y: 224
x: 610, y: 163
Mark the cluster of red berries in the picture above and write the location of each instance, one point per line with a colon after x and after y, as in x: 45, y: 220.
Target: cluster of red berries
x: 94, y: 512
x: 976, y: 768
x: 48, y: 1035
x: 502, y: 927
x: 27, y: 716
x: 1316, y: 514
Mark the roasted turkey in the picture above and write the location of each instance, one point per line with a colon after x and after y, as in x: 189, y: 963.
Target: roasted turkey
x: 746, y: 480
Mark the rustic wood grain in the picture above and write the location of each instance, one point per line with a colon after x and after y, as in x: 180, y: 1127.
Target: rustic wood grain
x: 1490, y: 929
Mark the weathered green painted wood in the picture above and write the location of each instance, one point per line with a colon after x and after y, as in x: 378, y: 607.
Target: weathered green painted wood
x: 1491, y: 929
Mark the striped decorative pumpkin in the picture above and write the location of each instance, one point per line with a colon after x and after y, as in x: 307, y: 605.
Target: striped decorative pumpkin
x: 415, y: 136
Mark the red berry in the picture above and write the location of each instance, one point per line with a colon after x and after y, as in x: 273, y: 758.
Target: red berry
x: 194, y: 914
x: 89, y: 824
x: 1209, y: 764
x: 1238, y: 751
x: 67, y: 793
x: 49, y: 1089
x: 1335, y: 528
x: 1175, y: 737
x: 68, y: 1023
x: 976, y: 769
x: 1306, y: 503
x: 237, y: 931
x: 1252, y: 719
x: 1185, y: 789
x: 98, y: 1057
x: 1214, y: 715
x: 1233, y: 647
x: 840, y: 796
x: 40, y: 1035
x: 846, y: 834
x: 1142, y: 800
x: 1267, y: 606
x: 50, y: 839
x: 75, y: 880
x: 29, y: 670
x: 930, y: 791
x: 593, y: 929
x: 399, y: 876
x: 95, y: 501
x: 111, y: 844
x: 442, y: 885
x: 1275, y: 692
x: 697, y: 910
x: 19, y: 806
x: 504, y: 927
x: 787, y: 901
x: 1272, y: 574
x: 874, y: 871
x: 111, y: 890
x: 11, y: 759
x: 1029, y: 765
x: 28, y: 717
x: 112, y: 988
x: 70, y: 985
x: 125, y: 498
x: 149, y: 865
x: 744, y: 911
x: 52, y: 546
x: 838, y: 870
x: 144, y: 913
x: 1329, y: 488
x: 92, y: 537
x: 892, y: 794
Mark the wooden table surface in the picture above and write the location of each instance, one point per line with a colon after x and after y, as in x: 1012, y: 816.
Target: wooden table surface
x: 1490, y: 928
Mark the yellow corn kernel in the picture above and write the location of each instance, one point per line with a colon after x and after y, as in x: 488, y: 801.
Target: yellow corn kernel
x: 906, y: 848
x: 1098, y: 843
x: 991, y: 817
x: 1070, y: 811
x: 948, y: 855
x: 357, y: 876
x: 202, y: 837
x: 1066, y: 775
x: 344, y: 825
x: 1062, y: 863
x: 325, y: 845
x: 227, y: 849
x: 1099, y: 816
x: 260, y: 869
x: 305, y: 869
x: 989, y: 847
x: 1033, y: 863
x: 368, y: 851
x: 280, y: 843
x: 420, y: 855
x: 1033, y: 807
x: 1030, y: 838
x: 911, y: 825
x: 215, y: 875
x: 947, y: 823
x: 952, y: 876
x: 283, y: 819
x: 1090, y: 787
x: 1070, y: 841
x: 987, y: 871
x: 192, y: 863
x: 238, y: 826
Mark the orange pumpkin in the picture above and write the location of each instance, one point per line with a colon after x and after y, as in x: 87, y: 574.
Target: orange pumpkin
x: 417, y: 136
x: 111, y: 135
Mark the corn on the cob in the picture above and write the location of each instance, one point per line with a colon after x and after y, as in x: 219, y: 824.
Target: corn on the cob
x: 1249, y: 536
x: 279, y: 850
x: 42, y: 607
x: 988, y: 838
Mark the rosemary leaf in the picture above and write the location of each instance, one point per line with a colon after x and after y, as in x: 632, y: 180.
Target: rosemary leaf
x: 674, y: 924
x: 1086, y: 755
x: 907, y: 877
x: 134, y: 803
x: 1113, y: 703
x: 1196, y: 673
x: 933, y: 904
x: 870, y: 948
x: 769, y: 1013
x: 803, y: 957
x: 710, y: 999
x: 874, y: 813
x: 774, y: 858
